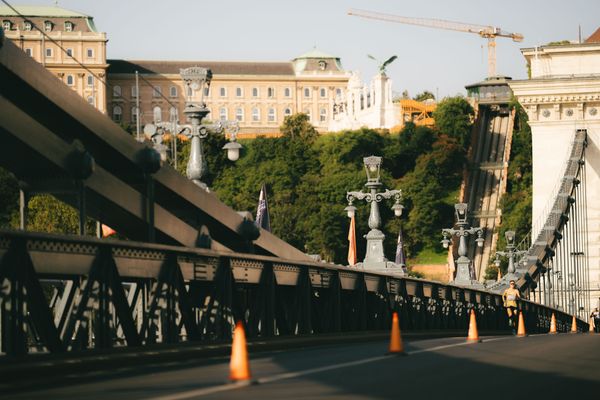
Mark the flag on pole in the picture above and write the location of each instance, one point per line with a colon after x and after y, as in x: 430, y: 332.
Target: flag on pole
x: 352, y: 243
x: 262, y: 211
x: 107, y: 231
x: 400, y: 256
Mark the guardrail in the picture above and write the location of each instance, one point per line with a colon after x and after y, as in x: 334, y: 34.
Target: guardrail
x: 65, y: 293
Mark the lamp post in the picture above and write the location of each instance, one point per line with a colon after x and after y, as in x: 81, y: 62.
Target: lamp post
x: 510, y: 253
x: 374, y: 258
x: 462, y: 231
x: 195, y: 78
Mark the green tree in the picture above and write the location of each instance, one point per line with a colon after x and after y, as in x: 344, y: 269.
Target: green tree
x: 9, y: 198
x: 425, y: 95
x: 454, y: 117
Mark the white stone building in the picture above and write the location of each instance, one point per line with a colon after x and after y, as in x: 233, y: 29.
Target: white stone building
x: 365, y: 106
x: 562, y: 95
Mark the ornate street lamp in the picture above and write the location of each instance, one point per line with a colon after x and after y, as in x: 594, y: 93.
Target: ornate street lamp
x: 195, y: 78
x: 510, y: 253
x: 375, y: 259
x: 463, y: 264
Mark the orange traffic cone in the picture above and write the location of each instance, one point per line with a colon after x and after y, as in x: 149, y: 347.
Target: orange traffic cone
x: 239, y: 369
x: 473, y: 335
x: 591, y: 330
x: 521, y: 330
x: 574, y: 325
x: 553, y: 325
x: 396, y: 346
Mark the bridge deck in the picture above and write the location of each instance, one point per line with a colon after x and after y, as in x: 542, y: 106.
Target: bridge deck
x: 541, y: 365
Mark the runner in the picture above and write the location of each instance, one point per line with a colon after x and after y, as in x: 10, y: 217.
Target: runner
x: 510, y: 297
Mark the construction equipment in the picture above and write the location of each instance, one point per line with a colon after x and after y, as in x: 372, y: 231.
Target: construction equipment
x: 485, y: 31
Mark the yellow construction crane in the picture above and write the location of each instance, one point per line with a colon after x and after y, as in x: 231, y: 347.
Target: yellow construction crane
x: 485, y: 31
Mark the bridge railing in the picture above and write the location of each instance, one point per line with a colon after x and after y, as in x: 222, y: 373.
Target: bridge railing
x: 68, y: 293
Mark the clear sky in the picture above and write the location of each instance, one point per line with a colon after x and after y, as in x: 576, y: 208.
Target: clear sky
x: 276, y: 30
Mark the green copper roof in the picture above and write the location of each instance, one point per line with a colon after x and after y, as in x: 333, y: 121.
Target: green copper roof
x: 39, y: 11
x: 315, y: 53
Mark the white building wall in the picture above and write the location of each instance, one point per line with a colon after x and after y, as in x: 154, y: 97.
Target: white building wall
x: 562, y: 96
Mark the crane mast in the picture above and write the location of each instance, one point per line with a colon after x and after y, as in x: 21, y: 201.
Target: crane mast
x: 485, y: 31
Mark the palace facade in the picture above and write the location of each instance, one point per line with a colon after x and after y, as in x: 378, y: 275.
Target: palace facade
x: 259, y: 95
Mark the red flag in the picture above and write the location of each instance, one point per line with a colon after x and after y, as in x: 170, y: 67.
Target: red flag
x: 107, y: 231
x: 352, y: 243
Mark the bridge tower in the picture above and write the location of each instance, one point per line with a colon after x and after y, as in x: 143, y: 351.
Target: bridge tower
x: 562, y: 96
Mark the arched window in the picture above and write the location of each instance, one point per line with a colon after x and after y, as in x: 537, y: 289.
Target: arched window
x: 239, y: 114
x: 156, y: 91
x: 116, y: 91
x: 173, y: 91
x: 6, y: 25
x: 91, y: 101
x: 307, y: 92
x: 27, y: 26
x: 173, y: 114
x: 117, y: 114
x: 239, y: 92
x: 223, y: 113
x: 134, y: 114
x: 323, y: 115
x: 323, y: 92
x: 287, y: 92
x: 70, y: 80
x: 270, y: 92
x: 48, y: 26
x: 255, y: 114
x: 255, y: 92
x: 134, y: 91
x: 271, y: 115
x: 157, y: 114
x: 287, y: 112
x: 68, y: 26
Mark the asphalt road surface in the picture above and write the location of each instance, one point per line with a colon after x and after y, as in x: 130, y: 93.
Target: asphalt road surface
x: 539, y: 366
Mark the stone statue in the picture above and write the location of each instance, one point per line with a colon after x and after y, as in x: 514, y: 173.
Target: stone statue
x: 383, y: 66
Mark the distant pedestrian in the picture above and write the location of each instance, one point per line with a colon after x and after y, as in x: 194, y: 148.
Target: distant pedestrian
x: 595, y: 319
x: 510, y: 297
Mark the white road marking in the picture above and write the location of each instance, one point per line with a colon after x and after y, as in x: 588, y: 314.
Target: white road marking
x: 289, y: 375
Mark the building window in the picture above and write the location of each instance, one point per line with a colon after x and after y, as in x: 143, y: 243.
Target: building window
x: 47, y: 26
x: 255, y: 114
x: 307, y: 92
x: 239, y: 114
x: 90, y: 53
x: 307, y: 112
x: 27, y: 26
x: 254, y: 92
x: 117, y: 114
x: 323, y: 92
x: 117, y: 91
x: 90, y: 80
x: 206, y: 91
x: 134, y: 114
x: 157, y: 114
x: 287, y: 92
x: 323, y: 115
x: 287, y: 112
x: 270, y: 92
x: 338, y: 92
x: 70, y: 80
x: 173, y: 91
x: 6, y: 25
x: 48, y: 52
x: 68, y: 26
x: 134, y: 92
x: 222, y: 92
x: 173, y: 114
x: 271, y: 115
x: 90, y: 100
x: 156, y: 91
x: 70, y: 52
x: 239, y: 92
x: 29, y: 51
x: 223, y: 114
x: 190, y: 91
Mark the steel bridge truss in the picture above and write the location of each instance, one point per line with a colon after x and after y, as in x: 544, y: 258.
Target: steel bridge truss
x: 62, y: 293
x: 555, y: 270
